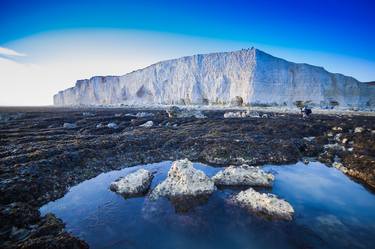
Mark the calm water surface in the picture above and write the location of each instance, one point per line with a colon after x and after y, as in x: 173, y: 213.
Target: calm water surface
x: 331, y: 211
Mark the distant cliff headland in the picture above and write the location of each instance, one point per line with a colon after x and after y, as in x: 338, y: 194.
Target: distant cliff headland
x: 249, y: 77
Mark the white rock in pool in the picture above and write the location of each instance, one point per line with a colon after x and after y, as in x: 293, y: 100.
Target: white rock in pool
x: 243, y: 175
x: 184, y: 180
x: 136, y: 183
x: 264, y: 204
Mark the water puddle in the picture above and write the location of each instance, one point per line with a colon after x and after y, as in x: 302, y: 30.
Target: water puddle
x: 331, y: 211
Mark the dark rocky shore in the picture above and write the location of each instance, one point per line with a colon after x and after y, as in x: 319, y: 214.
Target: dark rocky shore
x: 40, y: 159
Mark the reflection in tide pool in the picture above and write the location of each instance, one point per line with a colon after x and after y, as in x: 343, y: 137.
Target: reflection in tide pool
x: 331, y: 211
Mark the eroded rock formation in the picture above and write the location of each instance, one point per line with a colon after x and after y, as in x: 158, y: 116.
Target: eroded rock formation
x: 184, y: 181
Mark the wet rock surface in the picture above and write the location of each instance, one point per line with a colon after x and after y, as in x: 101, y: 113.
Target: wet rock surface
x: 40, y: 160
x: 243, y: 175
x: 268, y: 205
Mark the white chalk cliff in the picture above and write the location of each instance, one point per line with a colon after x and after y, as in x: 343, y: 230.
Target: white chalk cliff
x: 218, y: 78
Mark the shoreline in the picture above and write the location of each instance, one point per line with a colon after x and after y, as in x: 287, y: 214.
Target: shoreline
x: 285, y: 110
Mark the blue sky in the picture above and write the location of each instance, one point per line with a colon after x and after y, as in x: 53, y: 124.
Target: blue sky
x: 338, y: 35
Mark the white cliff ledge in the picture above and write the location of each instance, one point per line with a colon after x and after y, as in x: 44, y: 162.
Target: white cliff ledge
x: 250, y: 75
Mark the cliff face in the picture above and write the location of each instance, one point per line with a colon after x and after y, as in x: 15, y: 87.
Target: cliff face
x: 218, y: 78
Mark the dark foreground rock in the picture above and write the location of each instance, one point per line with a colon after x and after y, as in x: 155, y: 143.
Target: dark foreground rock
x: 22, y: 227
x: 40, y: 159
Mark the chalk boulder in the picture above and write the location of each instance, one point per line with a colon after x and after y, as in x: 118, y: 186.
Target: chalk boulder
x: 184, y: 181
x: 134, y: 184
x: 268, y: 205
x: 243, y: 176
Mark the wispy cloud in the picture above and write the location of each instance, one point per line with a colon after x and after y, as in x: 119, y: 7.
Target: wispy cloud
x: 9, y: 52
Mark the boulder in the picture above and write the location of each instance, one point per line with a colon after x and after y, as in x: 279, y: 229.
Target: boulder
x: 340, y: 167
x: 337, y: 128
x: 337, y: 137
x: 184, y: 180
x: 173, y: 111
x: 144, y: 114
x: 236, y: 101
x: 253, y: 114
x: 244, y: 114
x: 88, y: 114
x: 148, y: 124
x: 243, y: 176
x: 233, y: 115
x: 134, y: 184
x: 176, y: 112
x: 69, y: 126
x: 198, y: 114
x: 309, y: 139
x: 268, y: 205
x: 335, y: 146
x: 112, y: 125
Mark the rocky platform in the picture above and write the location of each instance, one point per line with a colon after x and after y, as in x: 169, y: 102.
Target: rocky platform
x: 40, y: 159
